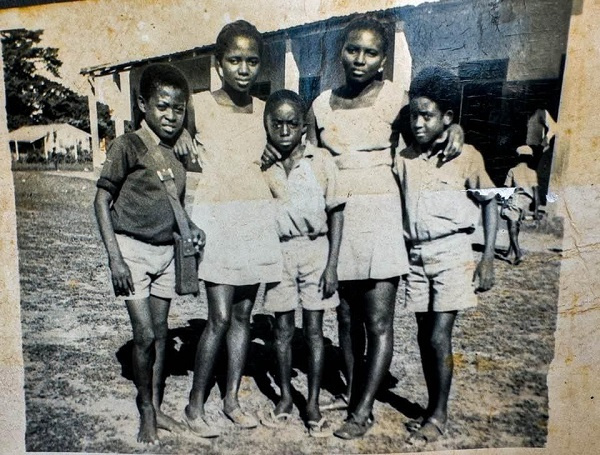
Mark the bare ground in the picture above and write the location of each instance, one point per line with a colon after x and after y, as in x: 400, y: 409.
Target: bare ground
x: 76, y: 342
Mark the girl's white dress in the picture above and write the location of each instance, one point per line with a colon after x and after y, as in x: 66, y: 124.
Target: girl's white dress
x: 360, y: 141
x: 232, y: 203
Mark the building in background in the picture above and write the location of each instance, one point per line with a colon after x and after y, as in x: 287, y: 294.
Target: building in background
x: 44, y: 142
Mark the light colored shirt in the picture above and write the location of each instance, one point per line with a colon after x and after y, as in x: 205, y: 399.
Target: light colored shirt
x: 523, y: 178
x: 306, y: 194
x: 433, y: 193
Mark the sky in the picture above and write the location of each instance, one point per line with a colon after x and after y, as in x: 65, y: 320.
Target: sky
x: 90, y: 33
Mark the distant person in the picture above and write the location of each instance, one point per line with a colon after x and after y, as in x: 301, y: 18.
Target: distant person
x: 309, y: 223
x: 524, y: 179
x: 137, y: 224
x: 439, y: 216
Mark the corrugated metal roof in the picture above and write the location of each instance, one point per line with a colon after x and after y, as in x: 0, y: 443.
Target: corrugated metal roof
x: 33, y: 133
x: 305, y: 28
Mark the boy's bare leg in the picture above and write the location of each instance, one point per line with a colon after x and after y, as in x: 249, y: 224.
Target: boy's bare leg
x: 143, y: 359
x: 435, y: 343
x: 513, y: 235
x: 312, y: 323
x: 379, y: 305
x: 238, y: 340
x: 284, y: 333
x: 159, y: 310
x: 220, y: 298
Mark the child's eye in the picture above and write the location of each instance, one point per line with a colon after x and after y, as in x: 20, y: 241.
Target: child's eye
x: 351, y: 50
x: 372, y: 53
x: 233, y: 61
x: 254, y: 62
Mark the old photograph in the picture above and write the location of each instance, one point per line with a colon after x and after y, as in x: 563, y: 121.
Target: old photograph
x: 306, y: 227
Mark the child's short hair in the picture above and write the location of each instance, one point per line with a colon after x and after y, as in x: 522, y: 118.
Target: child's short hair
x: 287, y: 96
x: 370, y: 23
x: 440, y: 86
x: 158, y: 75
x: 239, y: 28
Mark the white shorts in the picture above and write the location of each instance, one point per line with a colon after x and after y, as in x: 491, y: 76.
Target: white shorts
x: 304, y: 261
x: 441, y: 275
x: 152, y: 268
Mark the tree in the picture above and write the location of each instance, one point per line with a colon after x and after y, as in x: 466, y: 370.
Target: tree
x: 33, y: 99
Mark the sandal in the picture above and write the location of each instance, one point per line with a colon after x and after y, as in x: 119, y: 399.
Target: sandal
x: 337, y: 403
x: 272, y: 420
x: 241, y: 419
x: 320, y: 429
x: 431, y: 430
x: 414, y: 424
x: 200, y: 427
x: 353, y: 429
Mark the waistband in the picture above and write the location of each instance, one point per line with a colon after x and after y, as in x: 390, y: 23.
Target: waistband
x: 302, y: 238
x: 415, y: 243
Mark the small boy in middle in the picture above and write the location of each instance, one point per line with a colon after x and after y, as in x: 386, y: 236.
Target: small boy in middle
x: 309, y: 221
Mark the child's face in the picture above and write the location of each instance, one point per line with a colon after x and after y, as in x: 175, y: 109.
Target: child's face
x: 362, y: 56
x: 164, y: 112
x: 427, y: 121
x: 285, y: 126
x: 240, y: 64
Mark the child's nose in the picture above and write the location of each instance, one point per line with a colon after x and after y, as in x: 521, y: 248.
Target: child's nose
x: 285, y: 130
x: 360, y: 58
x: 243, y: 68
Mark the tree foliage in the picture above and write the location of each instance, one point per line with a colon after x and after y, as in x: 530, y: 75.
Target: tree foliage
x: 34, y: 99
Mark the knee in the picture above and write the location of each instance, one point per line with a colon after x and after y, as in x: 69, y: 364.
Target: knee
x: 380, y: 325
x: 313, y: 334
x: 283, y: 336
x: 219, y: 322
x: 241, y: 318
x: 344, y: 317
x: 144, y: 338
x: 440, y: 341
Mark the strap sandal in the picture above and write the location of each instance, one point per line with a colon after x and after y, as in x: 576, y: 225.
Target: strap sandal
x: 431, y: 430
x: 353, y: 429
x: 337, y: 403
x: 272, y: 420
x: 200, y: 427
x: 241, y: 419
x: 414, y: 424
x: 320, y: 429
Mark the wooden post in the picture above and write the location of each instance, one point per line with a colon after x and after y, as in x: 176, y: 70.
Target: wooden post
x: 12, y: 411
x: 97, y: 158
x: 292, y: 73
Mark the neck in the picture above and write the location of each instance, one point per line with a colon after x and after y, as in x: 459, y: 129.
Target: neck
x: 238, y: 98
x: 357, y: 89
x: 293, y: 154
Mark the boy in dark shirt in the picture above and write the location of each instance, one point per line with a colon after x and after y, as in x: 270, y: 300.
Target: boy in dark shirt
x: 137, y: 222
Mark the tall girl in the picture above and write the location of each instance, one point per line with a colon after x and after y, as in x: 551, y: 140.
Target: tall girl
x: 235, y: 208
x: 354, y: 122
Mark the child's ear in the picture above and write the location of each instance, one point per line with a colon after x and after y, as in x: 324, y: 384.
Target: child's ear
x: 382, y: 64
x: 141, y: 102
x: 448, y: 117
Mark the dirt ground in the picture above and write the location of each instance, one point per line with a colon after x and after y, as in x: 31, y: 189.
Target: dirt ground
x: 77, y: 340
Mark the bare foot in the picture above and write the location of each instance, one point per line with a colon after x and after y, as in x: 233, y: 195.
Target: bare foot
x: 147, y: 433
x: 165, y: 422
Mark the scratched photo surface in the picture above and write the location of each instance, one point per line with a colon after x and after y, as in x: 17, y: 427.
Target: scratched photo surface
x: 81, y: 86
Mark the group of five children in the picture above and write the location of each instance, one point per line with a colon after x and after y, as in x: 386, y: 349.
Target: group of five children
x: 330, y: 198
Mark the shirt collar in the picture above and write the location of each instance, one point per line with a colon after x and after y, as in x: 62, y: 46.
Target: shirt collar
x: 307, y: 153
x: 152, y: 134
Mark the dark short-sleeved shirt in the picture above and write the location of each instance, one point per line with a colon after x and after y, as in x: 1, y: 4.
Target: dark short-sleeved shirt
x: 141, y: 208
